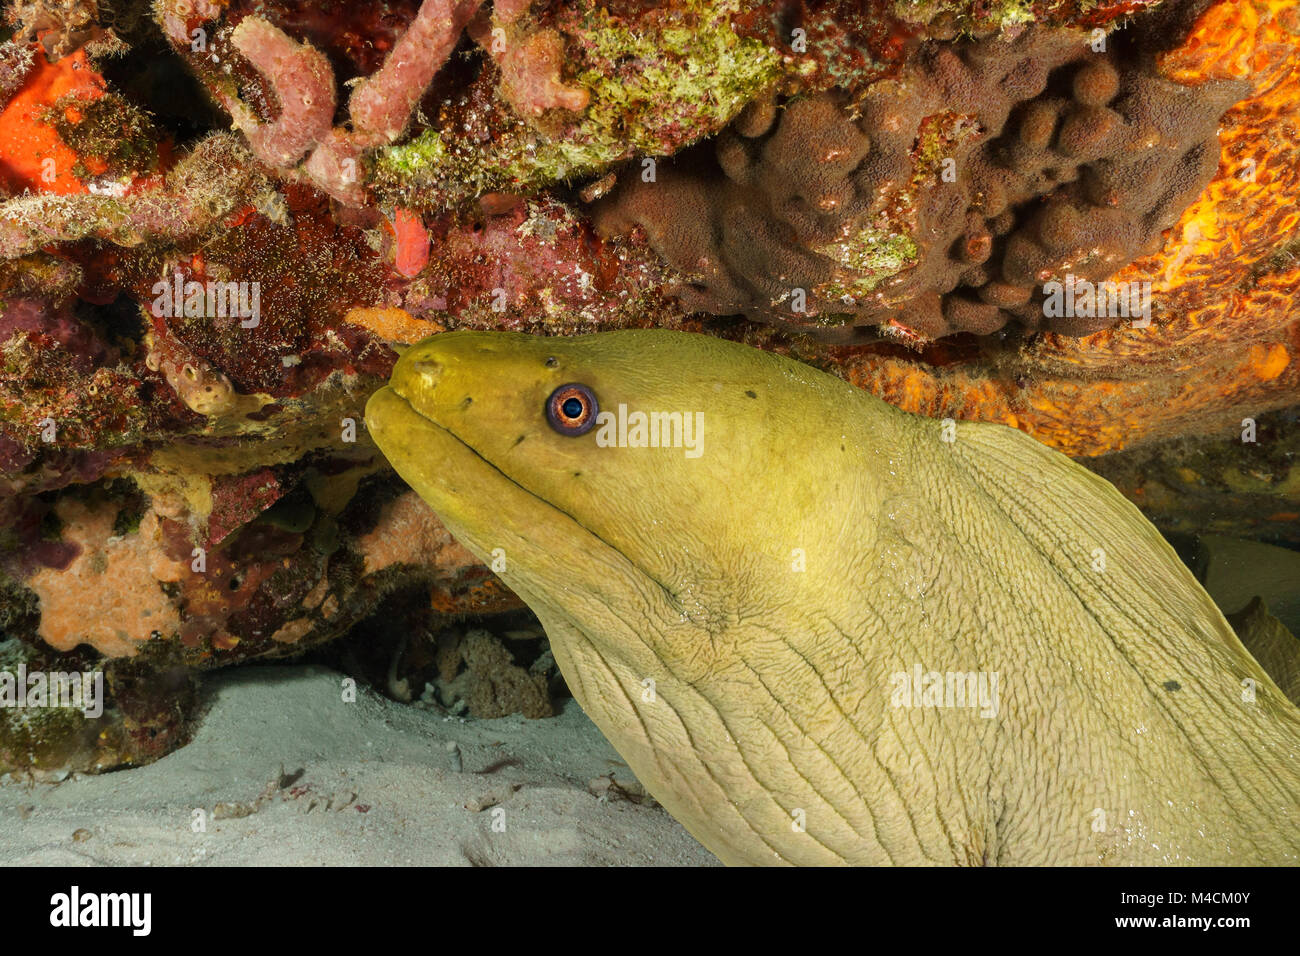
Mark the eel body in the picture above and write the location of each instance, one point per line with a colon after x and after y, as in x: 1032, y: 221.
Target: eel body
x: 821, y: 630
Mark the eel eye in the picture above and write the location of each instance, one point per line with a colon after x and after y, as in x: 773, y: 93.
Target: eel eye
x: 571, y: 409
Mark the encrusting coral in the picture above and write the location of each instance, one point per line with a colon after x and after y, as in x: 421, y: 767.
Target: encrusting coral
x: 983, y: 171
x: 109, y: 594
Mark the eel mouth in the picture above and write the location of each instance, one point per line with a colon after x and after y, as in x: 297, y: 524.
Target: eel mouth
x: 554, y: 560
x: 447, y: 471
x: 486, y: 508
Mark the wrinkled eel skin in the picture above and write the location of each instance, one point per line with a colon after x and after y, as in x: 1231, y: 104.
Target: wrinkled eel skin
x: 760, y: 704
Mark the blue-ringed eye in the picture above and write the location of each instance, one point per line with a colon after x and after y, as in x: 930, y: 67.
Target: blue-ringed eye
x: 571, y: 409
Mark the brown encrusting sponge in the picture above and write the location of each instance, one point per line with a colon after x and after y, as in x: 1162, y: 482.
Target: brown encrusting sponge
x: 942, y: 199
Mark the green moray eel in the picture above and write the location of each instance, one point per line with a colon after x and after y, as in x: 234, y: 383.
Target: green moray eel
x: 823, y: 630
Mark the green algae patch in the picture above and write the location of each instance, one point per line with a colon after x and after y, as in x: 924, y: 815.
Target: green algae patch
x: 675, y: 78
x: 691, y: 73
x: 873, y: 255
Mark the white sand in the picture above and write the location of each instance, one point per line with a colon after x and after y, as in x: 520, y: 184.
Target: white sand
x: 388, y: 757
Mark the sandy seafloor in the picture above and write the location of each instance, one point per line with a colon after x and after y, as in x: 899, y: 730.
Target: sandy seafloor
x: 389, y: 758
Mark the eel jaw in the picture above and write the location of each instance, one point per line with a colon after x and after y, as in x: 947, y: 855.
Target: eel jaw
x: 453, y: 479
x: 427, y: 456
x: 552, y: 561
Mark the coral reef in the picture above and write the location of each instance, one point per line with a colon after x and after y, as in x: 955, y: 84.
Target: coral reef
x: 58, y: 27
x: 127, y: 713
x: 218, y: 224
x: 459, y: 670
x: 109, y: 594
x: 301, y: 137
x: 1225, y: 329
x: 650, y: 83
x: 1061, y: 160
x: 15, y: 62
x: 611, y: 108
